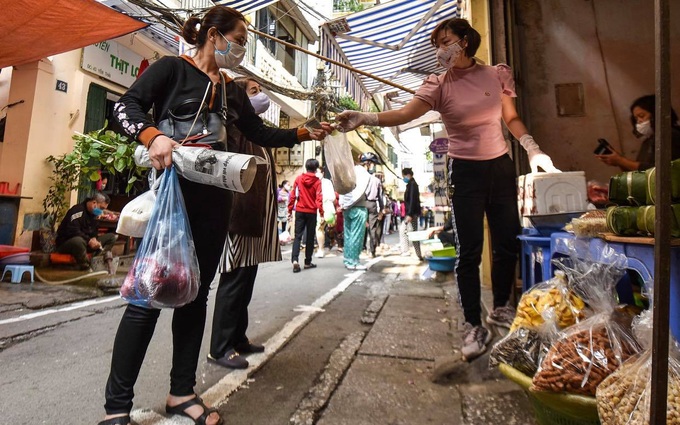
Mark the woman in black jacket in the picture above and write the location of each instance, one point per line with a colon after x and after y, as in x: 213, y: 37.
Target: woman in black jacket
x: 219, y: 37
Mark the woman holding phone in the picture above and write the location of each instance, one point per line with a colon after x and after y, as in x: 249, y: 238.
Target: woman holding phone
x: 642, y: 119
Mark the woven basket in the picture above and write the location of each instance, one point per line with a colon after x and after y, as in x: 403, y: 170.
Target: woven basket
x: 553, y: 408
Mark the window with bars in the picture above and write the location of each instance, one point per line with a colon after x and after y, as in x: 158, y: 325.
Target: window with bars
x: 195, y: 4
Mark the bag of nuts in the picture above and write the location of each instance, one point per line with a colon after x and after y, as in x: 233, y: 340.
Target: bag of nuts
x: 586, y: 353
x: 623, y: 398
x: 584, y: 356
x: 542, y: 311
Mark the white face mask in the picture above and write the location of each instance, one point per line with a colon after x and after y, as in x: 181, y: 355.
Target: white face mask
x: 260, y: 103
x: 231, y: 57
x: 644, y: 128
x: 447, y: 56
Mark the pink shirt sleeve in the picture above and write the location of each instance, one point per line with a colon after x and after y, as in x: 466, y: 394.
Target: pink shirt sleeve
x: 430, y: 92
x: 506, y: 79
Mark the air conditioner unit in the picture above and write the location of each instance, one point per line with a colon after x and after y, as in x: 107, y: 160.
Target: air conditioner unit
x: 296, y: 158
x: 282, y: 156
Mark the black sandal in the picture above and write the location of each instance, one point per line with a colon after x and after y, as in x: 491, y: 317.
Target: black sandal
x: 180, y: 410
x: 119, y: 420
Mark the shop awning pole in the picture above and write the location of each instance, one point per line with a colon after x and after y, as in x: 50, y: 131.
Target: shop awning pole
x: 662, y: 261
x: 334, y: 62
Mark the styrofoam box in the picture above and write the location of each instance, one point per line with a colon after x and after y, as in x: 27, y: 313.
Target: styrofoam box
x: 549, y: 193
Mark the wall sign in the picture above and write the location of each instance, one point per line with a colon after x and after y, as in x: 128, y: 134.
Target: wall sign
x: 440, y: 145
x: 61, y: 86
x: 111, y: 61
x: 440, y: 185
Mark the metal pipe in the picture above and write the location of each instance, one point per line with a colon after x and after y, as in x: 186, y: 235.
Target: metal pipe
x: 334, y: 62
x: 662, y: 263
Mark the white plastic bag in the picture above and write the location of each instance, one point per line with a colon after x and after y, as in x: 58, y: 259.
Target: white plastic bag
x: 136, y: 214
x: 284, y: 237
x: 340, y: 163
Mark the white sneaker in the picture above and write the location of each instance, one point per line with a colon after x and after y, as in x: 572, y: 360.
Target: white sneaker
x: 348, y: 267
x: 360, y: 267
x: 319, y: 254
x: 475, y: 340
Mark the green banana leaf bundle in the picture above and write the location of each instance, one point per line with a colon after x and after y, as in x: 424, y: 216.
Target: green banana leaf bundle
x: 622, y: 221
x: 675, y: 183
x: 645, y: 220
x: 629, y: 188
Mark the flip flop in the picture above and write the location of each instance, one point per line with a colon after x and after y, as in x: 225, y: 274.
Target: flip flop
x: 181, y: 408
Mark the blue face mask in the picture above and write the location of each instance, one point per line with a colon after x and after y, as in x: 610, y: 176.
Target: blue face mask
x: 97, y: 211
x: 406, y: 179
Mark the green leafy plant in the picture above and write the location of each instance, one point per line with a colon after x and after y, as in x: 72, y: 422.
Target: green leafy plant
x: 346, y: 102
x: 347, y: 6
x: 97, y: 151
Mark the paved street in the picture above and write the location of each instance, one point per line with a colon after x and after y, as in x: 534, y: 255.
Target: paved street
x: 61, y: 360
x: 342, y: 348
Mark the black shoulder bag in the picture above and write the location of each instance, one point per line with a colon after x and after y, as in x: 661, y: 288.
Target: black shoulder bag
x: 200, y: 127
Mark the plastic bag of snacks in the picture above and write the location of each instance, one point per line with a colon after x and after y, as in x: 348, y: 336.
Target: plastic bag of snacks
x: 586, y: 353
x: 541, y: 313
x: 553, y: 294
x: 525, y: 347
x: 590, y: 224
x: 624, y: 397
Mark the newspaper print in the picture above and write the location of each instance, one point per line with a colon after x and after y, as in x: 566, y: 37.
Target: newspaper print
x: 227, y: 170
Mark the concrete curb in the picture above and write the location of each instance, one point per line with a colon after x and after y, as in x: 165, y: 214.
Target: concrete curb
x: 317, y: 397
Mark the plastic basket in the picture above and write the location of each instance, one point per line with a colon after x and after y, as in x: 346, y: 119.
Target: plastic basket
x: 442, y: 264
x: 553, y: 408
x: 444, y: 252
x: 6, y: 250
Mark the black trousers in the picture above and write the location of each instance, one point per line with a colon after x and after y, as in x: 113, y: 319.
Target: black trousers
x: 230, y: 319
x: 78, y: 248
x: 485, y: 187
x: 207, y: 209
x: 304, y: 221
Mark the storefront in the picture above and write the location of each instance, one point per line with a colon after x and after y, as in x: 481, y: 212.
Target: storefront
x: 67, y: 93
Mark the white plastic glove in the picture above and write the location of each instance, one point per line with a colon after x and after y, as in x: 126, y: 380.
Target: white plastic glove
x: 350, y: 120
x: 536, y: 156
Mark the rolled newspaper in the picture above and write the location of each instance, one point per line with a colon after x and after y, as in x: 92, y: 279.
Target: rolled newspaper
x: 228, y: 170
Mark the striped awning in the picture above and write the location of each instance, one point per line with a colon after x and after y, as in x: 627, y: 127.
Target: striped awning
x: 245, y: 6
x: 391, y: 41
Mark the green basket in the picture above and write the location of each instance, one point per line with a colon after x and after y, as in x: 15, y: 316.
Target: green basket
x: 444, y: 252
x: 554, y: 408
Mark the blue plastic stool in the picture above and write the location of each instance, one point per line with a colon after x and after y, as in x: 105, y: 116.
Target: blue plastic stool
x: 16, y: 272
x: 535, y: 252
x: 640, y: 259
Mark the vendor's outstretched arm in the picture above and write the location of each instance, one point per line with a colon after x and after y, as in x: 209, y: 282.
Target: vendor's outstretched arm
x: 350, y: 120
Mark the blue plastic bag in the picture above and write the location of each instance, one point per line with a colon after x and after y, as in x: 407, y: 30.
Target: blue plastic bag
x: 165, y: 271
